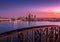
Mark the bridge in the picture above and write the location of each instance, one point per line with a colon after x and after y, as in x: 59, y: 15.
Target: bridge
x: 46, y: 33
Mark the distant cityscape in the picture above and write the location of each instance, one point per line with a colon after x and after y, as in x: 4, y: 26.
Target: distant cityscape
x: 30, y: 17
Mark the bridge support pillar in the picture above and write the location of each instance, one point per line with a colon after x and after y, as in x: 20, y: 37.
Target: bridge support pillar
x: 41, y: 30
x: 47, y: 38
x: 9, y: 39
x: 58, y: 35
x: 33, y: 35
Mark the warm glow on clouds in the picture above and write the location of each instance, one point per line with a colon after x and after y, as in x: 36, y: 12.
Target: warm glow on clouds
x: 57, y: 10
x: 49, y: 9
x: 49, y: 15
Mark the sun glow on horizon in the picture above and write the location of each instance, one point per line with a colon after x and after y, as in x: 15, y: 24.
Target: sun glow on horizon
x: 56, y: 10
x: 49, y: 9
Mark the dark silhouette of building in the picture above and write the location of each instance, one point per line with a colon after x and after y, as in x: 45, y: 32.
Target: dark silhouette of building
x: 31, y: 17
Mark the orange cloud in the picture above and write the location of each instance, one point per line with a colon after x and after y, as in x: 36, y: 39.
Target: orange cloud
x: 48, y: 15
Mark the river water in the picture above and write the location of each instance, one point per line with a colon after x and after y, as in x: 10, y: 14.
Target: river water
x: 6, y: 26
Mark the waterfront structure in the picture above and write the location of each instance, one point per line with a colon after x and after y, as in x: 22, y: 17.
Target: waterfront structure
x: 31, y: 17
x: 5, y: 19
x: 47, y: 33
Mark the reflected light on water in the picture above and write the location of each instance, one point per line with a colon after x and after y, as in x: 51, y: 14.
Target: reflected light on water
x: 15, y: 21
x: 15, y: 24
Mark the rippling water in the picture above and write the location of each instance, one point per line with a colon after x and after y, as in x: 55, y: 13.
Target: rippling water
x: 8, y: 26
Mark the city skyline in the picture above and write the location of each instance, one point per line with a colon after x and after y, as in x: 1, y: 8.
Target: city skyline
x: 40, y: 8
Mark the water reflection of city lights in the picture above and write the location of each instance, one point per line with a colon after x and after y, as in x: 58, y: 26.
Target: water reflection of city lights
x: 15, y: 21
x: 10, y: 21
x: 15, y: 24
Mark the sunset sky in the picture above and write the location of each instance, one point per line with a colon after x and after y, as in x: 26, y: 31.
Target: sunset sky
x: 40, y: 8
